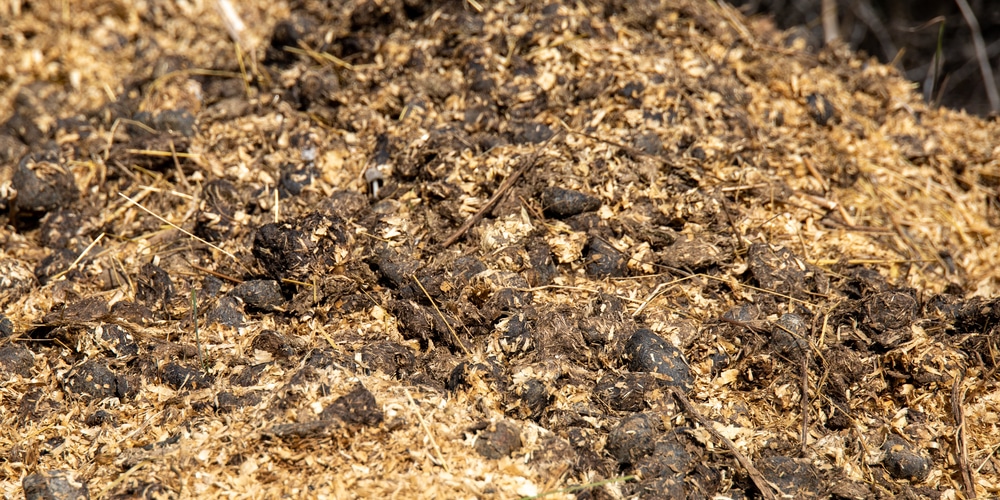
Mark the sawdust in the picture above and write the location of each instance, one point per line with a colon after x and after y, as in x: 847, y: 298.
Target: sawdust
x: 794, y: 240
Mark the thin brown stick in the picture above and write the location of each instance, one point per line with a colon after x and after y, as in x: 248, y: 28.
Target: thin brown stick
x: 732, y: 224
x: 243, y: 67
x: 320, y: 57
x: 500, y: 192
x: 811, y: 167
x: 755, y: 475
x: 177, y: 164
x: 804, y: 400
x: 962, y: 449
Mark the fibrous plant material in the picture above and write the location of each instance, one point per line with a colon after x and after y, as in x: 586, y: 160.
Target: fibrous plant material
x: 614, y: 249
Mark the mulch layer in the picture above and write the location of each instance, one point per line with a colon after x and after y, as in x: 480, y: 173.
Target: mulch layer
x: 468, y: 249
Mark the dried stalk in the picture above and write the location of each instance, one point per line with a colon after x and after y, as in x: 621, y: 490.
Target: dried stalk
x: 758, y: 479
x: 831, y: 32
x: 962, y: 449
x: 984, y: 61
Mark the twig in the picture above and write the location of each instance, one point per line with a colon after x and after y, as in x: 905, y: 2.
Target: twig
x: 803, y: 388
x: 984, y: 61
x: 165, y: 154
x: 296, y: 282
x: 121, y: 269
x: 732, y: 224
x: 962, y: 451
x: 659, y: 290
x: 579, y: 288
x: 649, y: 298
x: 755, y: 475
x: 500, y: 192
x: 811, y: 167
x: 243, y: 69
x: 125, y: 206
x: 197, y: 336
x: 441, y: 315
x: 804, y: 400
x: 168, y: 191
x: 277, y: 207
x: 475, y: 5
x: 988, y: 458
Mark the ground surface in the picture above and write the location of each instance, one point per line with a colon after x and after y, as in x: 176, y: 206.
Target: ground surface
x: 711, y: 263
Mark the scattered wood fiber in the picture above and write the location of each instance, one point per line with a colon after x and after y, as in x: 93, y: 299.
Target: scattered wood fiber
x: 431, y: 241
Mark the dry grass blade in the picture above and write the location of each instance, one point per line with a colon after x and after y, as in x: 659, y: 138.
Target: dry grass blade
x: 185, y: 231
x: 444, y: 320
x: 197, y: 333
x: 79, y: 257
x: 984, y: 61
x: 475, y: 5
x: 243, y: 69
x: 759, y: 289
x: 659, y: 290
x: 427, y: 430
x: 321, y: 57
x: 148, y: 152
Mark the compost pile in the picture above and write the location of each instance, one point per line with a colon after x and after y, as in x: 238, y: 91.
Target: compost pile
x: 462, y: 249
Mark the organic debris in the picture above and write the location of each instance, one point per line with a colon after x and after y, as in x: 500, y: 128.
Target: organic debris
x: 466, y: 249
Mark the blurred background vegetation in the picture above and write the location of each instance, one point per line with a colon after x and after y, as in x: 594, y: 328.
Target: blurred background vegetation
x: 951, y: 48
